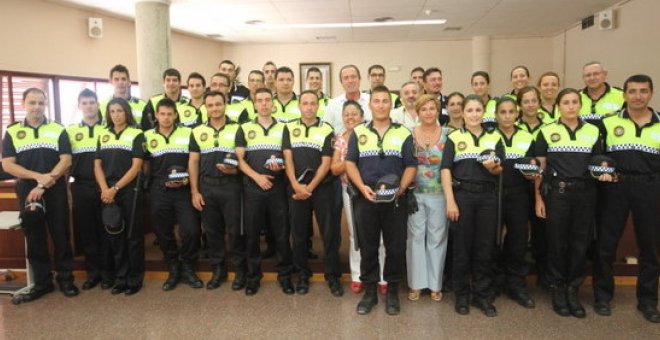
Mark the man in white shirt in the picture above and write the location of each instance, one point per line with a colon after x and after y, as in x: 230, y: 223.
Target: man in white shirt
x: 349, y: 76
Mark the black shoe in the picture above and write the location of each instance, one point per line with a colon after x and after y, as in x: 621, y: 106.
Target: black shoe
x: 369, y: 299
x: 602, y: 308
x: 33, y: 294
x: 252, y: 288
x: 219, y: 275
x: 91, y: 283
x: 650, y: 313
x: 574, y: 305
x: 173, y: 276
x: 335, y: 287
x: 188, y: 275
x: 239, y: 281
x: 392, y: 304
x: 523, y: 299
x: 559, y: 303
x: 118, y: 289
x: 107, y: 284
x: 485, y: 306
x: 130, y: 290
x: 462, y: 305
x: 302, y: 287
x: 287, y: 286
x: 68, y: 288
x: 268, y: 253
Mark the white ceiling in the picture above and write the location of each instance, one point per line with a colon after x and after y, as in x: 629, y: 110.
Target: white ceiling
x: 496, y: 18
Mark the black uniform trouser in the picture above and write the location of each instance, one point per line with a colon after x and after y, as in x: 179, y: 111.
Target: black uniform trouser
x: 57, y: 222
x: 87, y: 220
x: 537, y: 240
x: 390, y: 219
x: 569, y: 221
x: 515, y: 217
x: 474, y: 243
x: 259, y: 206
x: 169, y: 206
x: 643, y: 200
x: 222, y: 214
x: 321, y: 203
x: 127, y: 247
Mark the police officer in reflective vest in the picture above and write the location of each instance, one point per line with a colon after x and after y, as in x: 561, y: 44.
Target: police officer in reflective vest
x: 567, y: 199
x: 375, y: 150
x: 632, y: 140
x: 167, y: 148
x: 37, y: 152
x: 84, y: 191
x: 121, y: 83
x: 259, y: 151
x: 188, y: 114
x: 598, y: 97
x: 216, y: 189
x: 307, y: 145
x: 286, y: 101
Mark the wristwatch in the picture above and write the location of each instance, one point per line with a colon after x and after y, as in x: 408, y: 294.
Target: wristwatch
x: 116, y: 187
x: 41, y: 186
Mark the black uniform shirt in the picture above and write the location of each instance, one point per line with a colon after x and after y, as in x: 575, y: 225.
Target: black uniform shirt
x: 637, y: 156
x: 208, y: 160
x: 36, y: 158
x: 164, y: 152
x: 260, y: 150
x: 117, y: 159
x: 467, y: 169
x: 306, y: 152
x: 513, y: 177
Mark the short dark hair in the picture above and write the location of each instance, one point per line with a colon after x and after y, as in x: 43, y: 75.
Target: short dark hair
x: 166, y: 102
x: 352, y: 102
x: 523, y: 67
x: 33, y: 89
x: 309, y: 92
x: 263, y: 90
x: 345, y: 67
x: 213, y: 94
x: 87, y: 93
x: 196, y: 75
x: 548, y: 74
x: 524, y: 90
x: 222, y: 75
x: 417, y: 69
x: 376, y: 66
x: 227, y: 61
x: 270, y: 63
x: 502, y: 100
x: 472, y: 98
x: 480, y: 74
x: 121, y: 69
x: 379, y: 89
x: 257, y: 72
x: 430, y: 70
x: 313, y: 69
x: 638, y: 78
x: 172, y: 72
x: 283, y: 69
x: 130, y: 121
x: 567, y: 91
x: 455, y: 94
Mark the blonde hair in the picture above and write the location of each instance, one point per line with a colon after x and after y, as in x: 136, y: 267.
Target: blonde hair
x: 425, y: 98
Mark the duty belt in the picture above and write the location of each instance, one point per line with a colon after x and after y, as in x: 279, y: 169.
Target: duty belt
x: 638, y: 178
x: 474, y: 187
x: 564, y: 185
x: 220, y: 180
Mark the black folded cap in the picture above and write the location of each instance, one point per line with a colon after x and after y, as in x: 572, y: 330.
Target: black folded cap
x: 528, y: 166
x: 386, y: 188
x: 112, y: 218
x: 488, y: 154
x: 600, y: 165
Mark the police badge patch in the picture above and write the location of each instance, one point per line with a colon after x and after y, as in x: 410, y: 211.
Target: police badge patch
x: 187, y: 113
x: 252, y: 134
x: 204, y: 137
x: 619, y: 131
x: 296, y: 132
x: 461, y: 146
x: 79, y: 136
x: 363, y: 139
x: 555, y: 137
x: 153, y: 143
x: 105, y: 139
x: 20, y: 134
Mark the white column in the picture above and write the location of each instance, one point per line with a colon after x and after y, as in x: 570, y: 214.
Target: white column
x: 481, y: 53
x: 153, y: 39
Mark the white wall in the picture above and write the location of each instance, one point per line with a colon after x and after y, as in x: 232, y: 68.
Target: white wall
x: 632, y: 47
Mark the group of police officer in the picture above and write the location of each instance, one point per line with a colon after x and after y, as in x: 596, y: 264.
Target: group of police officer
x: 244, y: 158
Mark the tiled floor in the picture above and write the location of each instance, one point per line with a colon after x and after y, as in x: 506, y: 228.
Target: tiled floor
x: 186, y: 313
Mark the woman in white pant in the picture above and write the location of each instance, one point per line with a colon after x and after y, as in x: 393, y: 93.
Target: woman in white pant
x: 352, y: 115
x: 427, y: 228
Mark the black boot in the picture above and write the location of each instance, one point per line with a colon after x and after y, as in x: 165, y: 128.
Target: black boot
x: 173, y: 277
x: 239, y: 280
x: 188, y: 275
x: 369, y: 299
x: 219, y: 275
x: 559, y: 303
x: 574, y: 304
x: 392, y: 305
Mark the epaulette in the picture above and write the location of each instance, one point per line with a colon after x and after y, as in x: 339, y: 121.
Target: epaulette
x: 611, y: 114
x: 618, y: 88
x: 14, y: 123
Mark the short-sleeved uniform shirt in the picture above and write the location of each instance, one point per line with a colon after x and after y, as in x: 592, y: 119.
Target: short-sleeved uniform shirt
x: 165, y: 152
x: 462, y: 150
x: 262, y: 145
x: 635, y: 149
x: 117, y: 150
x: 36, y: 148
x: 308, y: 144
x: 214, y: 146
x: 84, y: 140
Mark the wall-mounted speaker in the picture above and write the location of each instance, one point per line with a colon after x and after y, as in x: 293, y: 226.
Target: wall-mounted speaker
x: 606, y: 19
x: 95, y: 28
